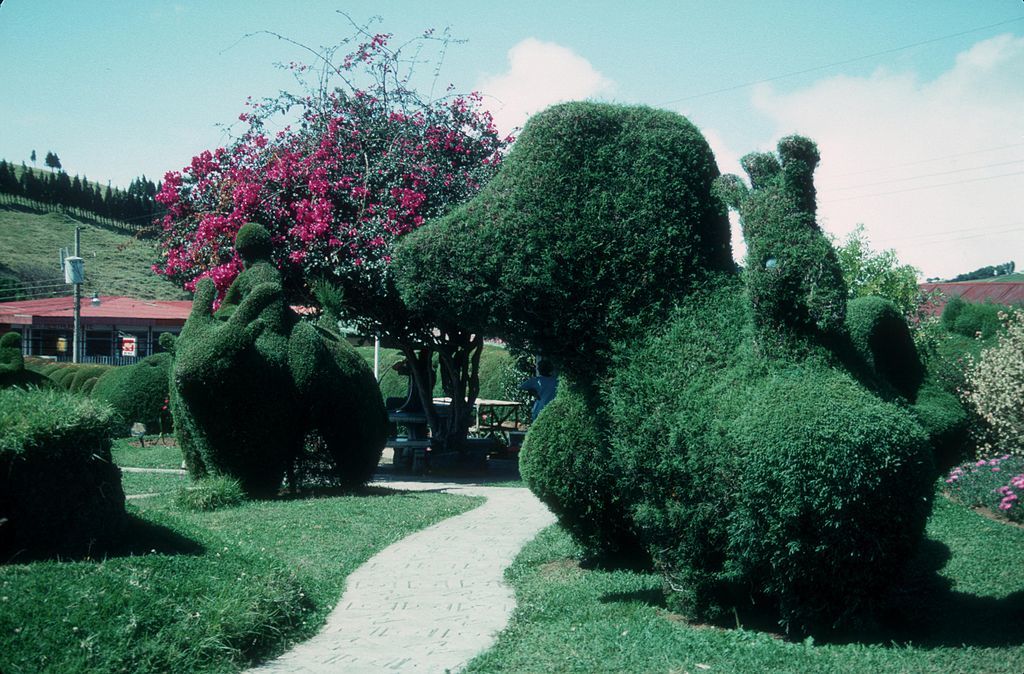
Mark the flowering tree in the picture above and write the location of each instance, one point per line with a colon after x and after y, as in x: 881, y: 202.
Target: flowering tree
x: 361, y: 159
x: 995, y: 386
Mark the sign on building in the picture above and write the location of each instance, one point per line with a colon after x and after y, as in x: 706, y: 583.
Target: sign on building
x: 129, y: 346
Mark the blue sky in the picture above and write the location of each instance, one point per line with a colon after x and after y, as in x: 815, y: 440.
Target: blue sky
x: 918, y: 107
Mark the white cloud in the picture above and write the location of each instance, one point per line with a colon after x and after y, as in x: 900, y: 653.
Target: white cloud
x: 934, y: 169
x: 728, y: 161
x: 539, y: 75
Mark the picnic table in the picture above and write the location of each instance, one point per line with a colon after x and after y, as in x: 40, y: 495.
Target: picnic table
x: 494, y: 416
x: 497, y: 424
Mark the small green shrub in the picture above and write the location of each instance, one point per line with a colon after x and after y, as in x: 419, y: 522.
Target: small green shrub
x: 973, y: 319
x: 83, y: 373
x: 13, y: 371
x: 138, y: 393
x: 995, y: 483
x: 60, y: 491
x: 882, y: 339
x: 62, y: 375
x: 210, y: 493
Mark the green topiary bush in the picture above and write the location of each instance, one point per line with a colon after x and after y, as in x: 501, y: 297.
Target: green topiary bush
x: 568, y: 462
x: 250, y: 382
x: 793, y: 277
x: 138, y: 393
x: 834, y: 495
x: 597, y: 221
x: 764, y: 479
x: 83, y: 373
x: 732, y: 423
x: 948, y: 424
x: 12, y: 365
x: 881, y: 337
x: 60, y: 492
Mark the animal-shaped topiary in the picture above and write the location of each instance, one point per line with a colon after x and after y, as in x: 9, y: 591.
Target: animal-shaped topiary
x: 12, y: 365
x: 250, y: 382
x: 723, y: 424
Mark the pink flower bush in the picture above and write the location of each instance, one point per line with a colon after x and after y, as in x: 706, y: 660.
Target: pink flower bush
x: 982, y: 484
x: 361, y: 167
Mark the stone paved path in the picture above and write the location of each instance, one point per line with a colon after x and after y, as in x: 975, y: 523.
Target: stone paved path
x: 432, y: 601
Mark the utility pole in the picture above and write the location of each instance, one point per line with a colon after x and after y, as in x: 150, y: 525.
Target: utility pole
x: 78, y: 297
x: 75, y: 275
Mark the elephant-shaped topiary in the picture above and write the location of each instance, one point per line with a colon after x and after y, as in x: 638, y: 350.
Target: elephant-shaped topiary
x: 251, y: 382
x: 728, y: 426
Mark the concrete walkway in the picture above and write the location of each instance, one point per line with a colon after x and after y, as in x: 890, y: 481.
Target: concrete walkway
x: 432, y: 601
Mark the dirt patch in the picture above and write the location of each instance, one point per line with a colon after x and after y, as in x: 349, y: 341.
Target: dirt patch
x: 560, y: 566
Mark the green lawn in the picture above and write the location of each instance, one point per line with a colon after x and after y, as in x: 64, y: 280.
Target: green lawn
x: 201, y: 592
x: 967, y: 618
x: 150, y: 456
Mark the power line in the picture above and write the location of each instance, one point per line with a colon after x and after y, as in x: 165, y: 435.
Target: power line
x: 986, y: 230
x: 918, y: 177
x: 925, y: 187
x: 841, y: 63
x: 28, y: 284
x: 33, y: 296
x: 964, y: 238
x: 927, y: 161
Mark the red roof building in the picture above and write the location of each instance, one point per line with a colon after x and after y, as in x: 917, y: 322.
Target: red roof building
x: 114, y: 329
x: 997, y: 292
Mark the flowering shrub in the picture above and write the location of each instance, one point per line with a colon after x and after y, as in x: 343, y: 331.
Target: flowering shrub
x: 995, y: 388
x: 362, y: 166
x: 359, y: 161
x: 996, y: 483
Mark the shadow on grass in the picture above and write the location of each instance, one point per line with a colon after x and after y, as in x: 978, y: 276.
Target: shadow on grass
x: 927, y: 612
x: 139, y: 537
x: 924, y: 612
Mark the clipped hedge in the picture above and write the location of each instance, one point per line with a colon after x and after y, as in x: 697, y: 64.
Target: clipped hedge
x: 138, y: 393
x: 948, y: 424
x: 730, y: 422
x: 12, y: 365
x: 60, y: 492
x: 882, y: 339
x: 835, y: 493
x: 599, y: 218
x: 568, y: 462
x: 251, y: 382
x: 786, y: 482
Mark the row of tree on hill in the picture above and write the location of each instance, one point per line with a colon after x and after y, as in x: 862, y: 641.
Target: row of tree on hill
x: 133, y: 209
x: 986, y: 272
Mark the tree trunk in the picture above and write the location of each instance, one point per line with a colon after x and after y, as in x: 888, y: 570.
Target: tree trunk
x: 459, y: 360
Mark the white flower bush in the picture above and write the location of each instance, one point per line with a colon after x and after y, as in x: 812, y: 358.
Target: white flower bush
x: 995, y: 388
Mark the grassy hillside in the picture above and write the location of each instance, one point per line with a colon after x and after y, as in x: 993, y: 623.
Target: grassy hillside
x: 1015, y: 277
x: 115, y: 264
